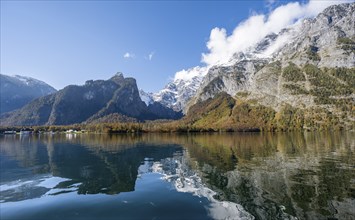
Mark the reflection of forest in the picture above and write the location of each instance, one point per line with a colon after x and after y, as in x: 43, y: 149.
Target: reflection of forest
x: 273, y: 175
x: 310, y: 176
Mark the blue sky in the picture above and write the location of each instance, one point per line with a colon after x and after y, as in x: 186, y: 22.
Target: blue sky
x: 66, y: 42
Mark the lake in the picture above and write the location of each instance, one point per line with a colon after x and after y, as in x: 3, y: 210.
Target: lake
x: 178, y: 176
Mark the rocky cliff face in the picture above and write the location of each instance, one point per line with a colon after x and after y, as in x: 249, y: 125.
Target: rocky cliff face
x: 306, y: 71
x: 225, y: 78
x: 309, y: 65
x: 17, y: 91
x: 88, y: 103
x: 326, y: 41
x: 322, y: 50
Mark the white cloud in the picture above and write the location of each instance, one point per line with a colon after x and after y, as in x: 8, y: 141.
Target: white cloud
x: 191, y: 73
x: 150, y: 56
x: 280, y: 42
x: 128, y: 55
x: 249, y: 32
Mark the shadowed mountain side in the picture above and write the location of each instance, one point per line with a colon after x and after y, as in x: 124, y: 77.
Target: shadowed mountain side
x: 90, y: 102
x: 17, y: 91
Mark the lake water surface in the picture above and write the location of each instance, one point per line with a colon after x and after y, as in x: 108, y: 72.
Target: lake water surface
x: 187, y: 176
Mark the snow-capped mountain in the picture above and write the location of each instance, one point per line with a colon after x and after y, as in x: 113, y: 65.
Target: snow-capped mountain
x: 324, y: 41
x: 179, y: 91
x: 33, y: 82
x: 301, y: 77
x: 146, y: 97
x: 16, y: 91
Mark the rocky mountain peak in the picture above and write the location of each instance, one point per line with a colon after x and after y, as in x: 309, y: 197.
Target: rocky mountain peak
x: 179, y: 91
x: 326, y: 41
x: 116, y: 99
x: 146, y: 97
x: 117, y: 78
x: 337, y: 12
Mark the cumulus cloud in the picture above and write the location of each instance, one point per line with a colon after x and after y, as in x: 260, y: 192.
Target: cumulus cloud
x: 190, y: 73
x: 128, y: 55
x: 222, y: 46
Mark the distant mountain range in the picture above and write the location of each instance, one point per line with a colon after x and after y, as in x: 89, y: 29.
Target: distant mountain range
x: 113, y: 100
x: 302, y: 77
x: 17, y: 91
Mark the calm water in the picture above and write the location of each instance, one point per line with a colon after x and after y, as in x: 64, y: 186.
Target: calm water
x: 162, y: 176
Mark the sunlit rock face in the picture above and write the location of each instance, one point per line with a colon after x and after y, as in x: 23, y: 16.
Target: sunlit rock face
x: 305, y: 71
x: 324, y: 41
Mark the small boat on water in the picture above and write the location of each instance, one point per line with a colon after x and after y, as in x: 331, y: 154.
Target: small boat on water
x: 10, y: 132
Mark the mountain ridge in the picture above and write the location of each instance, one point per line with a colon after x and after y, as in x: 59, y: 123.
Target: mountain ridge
x: 17, y: 91
x: 327, y: 40
x: 302, y: 77
x: 89, y: 103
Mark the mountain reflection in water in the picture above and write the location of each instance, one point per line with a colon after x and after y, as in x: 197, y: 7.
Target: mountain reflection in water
x: 230, y: 176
